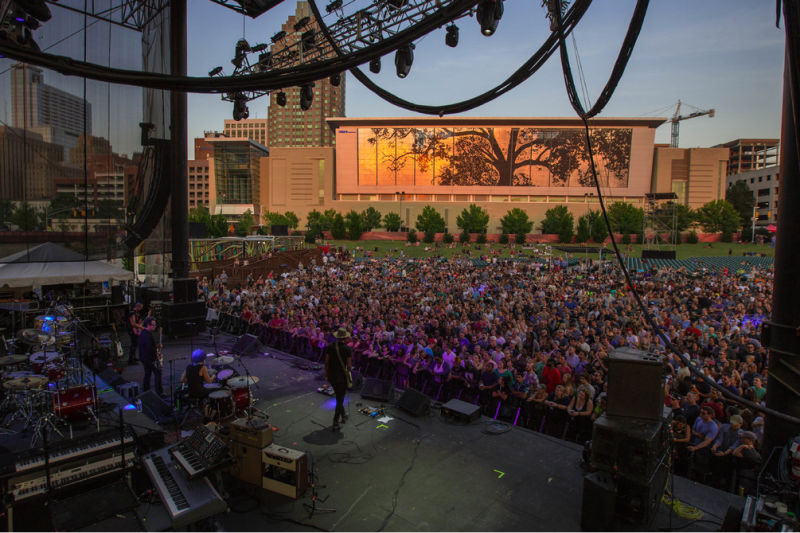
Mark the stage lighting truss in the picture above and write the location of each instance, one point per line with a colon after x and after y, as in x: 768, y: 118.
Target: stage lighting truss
x: 131, y: 14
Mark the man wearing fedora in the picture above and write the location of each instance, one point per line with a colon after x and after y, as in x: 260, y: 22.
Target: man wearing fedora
x: 337, y: 372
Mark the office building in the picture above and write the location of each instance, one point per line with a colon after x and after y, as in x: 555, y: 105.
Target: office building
x: 751, y: 154
x: 251, y: 128
x: 235, y: 170
x: 765, y: 185
x: 28, y: 164
x: 200, y: 182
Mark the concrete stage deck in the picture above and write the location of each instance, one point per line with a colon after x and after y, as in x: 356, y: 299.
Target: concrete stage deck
x: 414, y: 474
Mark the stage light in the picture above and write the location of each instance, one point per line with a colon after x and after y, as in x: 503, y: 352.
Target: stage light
x: 307, y: 41
x: 280, y: 98
x: 242, y: 47
x: 255, y: 8
x: 488, y: 16
x: 333, y: 6
x: 306, y: 96
x: 451, y: 39
x: 278, y: 36
x: 259, y: 48
x: 375, y: 65
x: 214, y: 72
x: 336, y: 79
x: 403, y: 59
x: 301, y: 23
x: 35, y: 8
x: 396, y: 4
x: 240, y: 110
x: 264, y: 61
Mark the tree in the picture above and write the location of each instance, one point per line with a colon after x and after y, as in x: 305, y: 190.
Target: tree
x: 392, y: 221
x: 338, y: 227
x: 584, y: 230
x: 293, y: 220
x: 560, y: 221
x: 741, y: 198
x: 6, y: 209
x: 506, y: 156
x: 371, y: 218
x: 320, y: 221
x: 473, y: 219
x: 26, y: 217
x: 597, y: 226
x: 516, y: 221
x: 218, y: 226
x: 719, y: 216
x: 625, y: 217
x: 245, y: 223
x: 63, y: 203
x: 430, y: 221
x: 200, y: 214
x: 109, y: 209
x: 354, y: 223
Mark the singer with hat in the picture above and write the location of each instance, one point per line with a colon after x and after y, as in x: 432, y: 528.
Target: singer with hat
x: 337, y: 372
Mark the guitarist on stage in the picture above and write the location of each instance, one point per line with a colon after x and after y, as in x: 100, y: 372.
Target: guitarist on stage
x: 149, y: 356
x: 337, y: 372
x: 134, y: 328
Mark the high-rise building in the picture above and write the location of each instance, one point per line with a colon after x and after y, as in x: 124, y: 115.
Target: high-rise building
x: 751, y: 154
x: 58, y: 116
x: 289, y: 125
x: 200, y: 182
x: 235, y: 177
x: 28, y: 164
x: 251, y: 128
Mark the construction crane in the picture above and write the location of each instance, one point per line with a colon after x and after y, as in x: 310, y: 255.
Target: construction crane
x: 677, y: 117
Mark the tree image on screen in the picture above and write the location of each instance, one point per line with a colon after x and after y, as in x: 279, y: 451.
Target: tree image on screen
x: 537, y: 157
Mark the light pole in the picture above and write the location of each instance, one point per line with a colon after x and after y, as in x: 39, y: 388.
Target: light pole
x: 755, y: 217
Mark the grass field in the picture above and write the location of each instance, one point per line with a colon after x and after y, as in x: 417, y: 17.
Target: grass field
x: 393, y: 248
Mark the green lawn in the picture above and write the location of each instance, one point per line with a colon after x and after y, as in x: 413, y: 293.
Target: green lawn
x: 392, y: 249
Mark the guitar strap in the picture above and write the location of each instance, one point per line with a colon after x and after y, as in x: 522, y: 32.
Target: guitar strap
x: 346, y: 370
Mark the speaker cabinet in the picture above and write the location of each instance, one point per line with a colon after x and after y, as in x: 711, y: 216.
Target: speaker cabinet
x: 635, y: 384
x: 629, y: 447
x: 183, y: 319
x: 184, y: 290
x: 599, y: 502
x: 637, y: 503
x: 461, y: 411
x: 245, y: 344
x: 154, y: 407
x: 658, y: 254
x: 377, y: 389
x: 116, y: 295
x: 247, y: 465
x: 284, y: 471
x: 414, y: 402
x: 279, y: 230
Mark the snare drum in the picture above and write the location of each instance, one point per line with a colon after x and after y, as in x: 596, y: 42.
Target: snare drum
x: 212, y: 386
x: 74, y: 401
x: 220, y: 404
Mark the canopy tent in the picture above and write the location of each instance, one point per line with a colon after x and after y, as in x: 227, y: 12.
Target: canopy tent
x: 50, y: 264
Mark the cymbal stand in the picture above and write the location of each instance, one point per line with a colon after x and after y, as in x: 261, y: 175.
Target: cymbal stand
x: 250, y: 395
x: 312, y: 507
x: 41, y: 426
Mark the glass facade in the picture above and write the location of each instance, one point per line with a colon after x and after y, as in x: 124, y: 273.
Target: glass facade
x: 237, y: 171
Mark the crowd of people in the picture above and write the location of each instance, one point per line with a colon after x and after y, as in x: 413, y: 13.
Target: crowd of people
x: 529, y: 341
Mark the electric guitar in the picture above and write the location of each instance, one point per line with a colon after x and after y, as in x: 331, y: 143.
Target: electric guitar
x: 159, y: 355
x: 120, y: 353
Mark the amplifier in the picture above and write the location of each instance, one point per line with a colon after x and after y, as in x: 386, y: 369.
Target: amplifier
x: 629, y: 447
x: 247, y: 465
x: 255, y: 432
x: 284, y: 471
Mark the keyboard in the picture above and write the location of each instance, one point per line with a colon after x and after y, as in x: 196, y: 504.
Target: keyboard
x: 201, y: 452
x: 187, y: 501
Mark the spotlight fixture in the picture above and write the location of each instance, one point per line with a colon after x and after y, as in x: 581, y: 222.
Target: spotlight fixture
x: 37, y: 9
x: 280, y: 98
x: 264, y: 61
x: 300, y: 24
x: 278, y: 36
x: 336, y: 79
x: 333, y: 6
x: 451, y: 38
x: 240, y: 110
x: 306, y: 96
x: 242, y: 47
x: 259, y: 48
x: 396, y: 4
x: 255, y: 8
x: 375, y: 65
x: 214, y: 72
x: 307, y: 41
x: 403, y: 59
x: 488, y: 16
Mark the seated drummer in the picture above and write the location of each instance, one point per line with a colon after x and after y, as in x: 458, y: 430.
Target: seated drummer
x: 196, y: 374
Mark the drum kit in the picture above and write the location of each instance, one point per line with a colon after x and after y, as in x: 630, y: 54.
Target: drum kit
x: 42, y: 387
x: 230, y: 393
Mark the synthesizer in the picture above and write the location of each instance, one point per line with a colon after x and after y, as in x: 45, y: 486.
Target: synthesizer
x: 201, y: 452
x: 66, y: 450
x: 187, y: 501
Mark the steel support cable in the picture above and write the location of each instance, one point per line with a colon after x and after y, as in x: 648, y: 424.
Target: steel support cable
x: 530, y: 67
x: 628, y: 44
x: 267, y: 81
x: 656, y: 328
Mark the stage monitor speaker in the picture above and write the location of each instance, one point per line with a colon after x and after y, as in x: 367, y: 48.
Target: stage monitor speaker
x: 658, y: 254
x: 182, y: 319
x: 197, y: 230
x: 635, y: 384
x: 280, y: 230
x: 599, y: 502
x: 184, y: 290
x: 111, y: 377
x: 414, y: 402
x: 378, y: 389
x: 155, y: 408
x: 116, y: 294
x: 461, y: 411
x: 245, y: 344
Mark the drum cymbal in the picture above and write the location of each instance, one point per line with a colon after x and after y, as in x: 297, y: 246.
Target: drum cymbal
x: 242, y: 381
x: 219, y: 361
x: 27, y: 383
x: 13, y: 359
x: 44, y: 357
x: 36, y: 336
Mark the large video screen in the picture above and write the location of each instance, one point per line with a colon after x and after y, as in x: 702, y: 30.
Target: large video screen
x: 505, y: 156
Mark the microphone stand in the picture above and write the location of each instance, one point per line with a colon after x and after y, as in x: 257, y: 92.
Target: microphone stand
x: 251, y: 399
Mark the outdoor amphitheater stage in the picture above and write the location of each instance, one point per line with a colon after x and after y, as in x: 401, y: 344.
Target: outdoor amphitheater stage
x: 405, y: 474
x: 411, y: 473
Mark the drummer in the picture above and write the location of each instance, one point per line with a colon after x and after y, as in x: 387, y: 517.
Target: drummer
x: 196, y: 374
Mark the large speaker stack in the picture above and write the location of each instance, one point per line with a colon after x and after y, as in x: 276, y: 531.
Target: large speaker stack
x: 630, y: 444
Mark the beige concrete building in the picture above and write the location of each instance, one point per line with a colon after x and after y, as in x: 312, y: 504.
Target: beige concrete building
x: 201, y: 185
x: 251, y: 128
x: 696, y: 175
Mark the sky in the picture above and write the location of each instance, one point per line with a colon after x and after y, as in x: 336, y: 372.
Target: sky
x: 721, y: 54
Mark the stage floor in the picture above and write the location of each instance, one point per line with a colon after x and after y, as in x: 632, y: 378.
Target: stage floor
x: 408, y: 474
